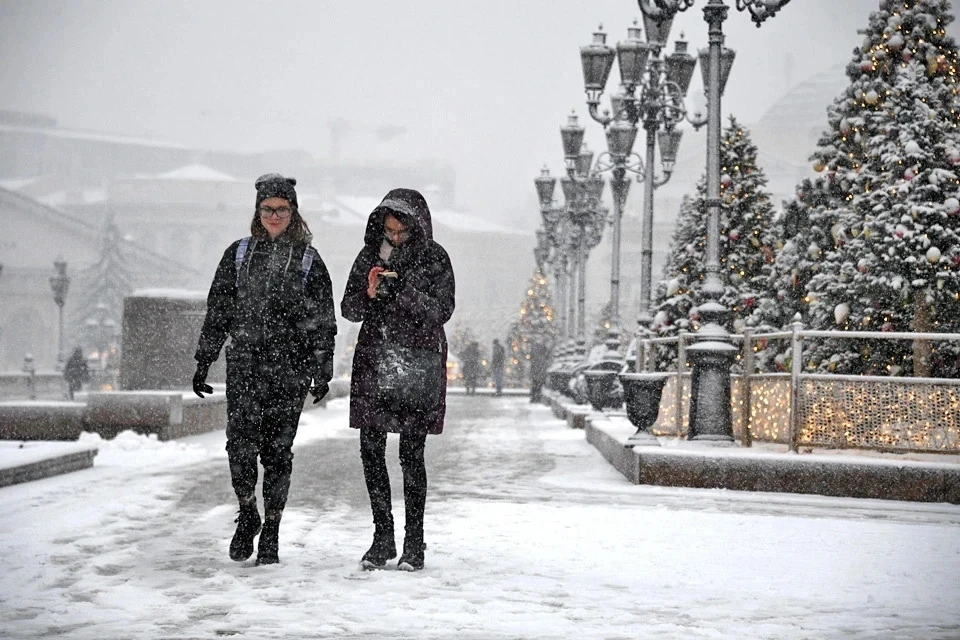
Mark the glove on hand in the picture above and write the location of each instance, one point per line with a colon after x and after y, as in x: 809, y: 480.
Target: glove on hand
x: 319, y: 390
x: 323, y: 372
x: 200, y: 385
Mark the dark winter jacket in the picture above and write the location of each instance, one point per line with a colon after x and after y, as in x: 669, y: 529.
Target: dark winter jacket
x: 76, y: 371
x: 413, y: 315
x: 497, y: 359
x: 270, y: 311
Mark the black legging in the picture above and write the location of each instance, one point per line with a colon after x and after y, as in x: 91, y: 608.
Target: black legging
x: 373, y: 445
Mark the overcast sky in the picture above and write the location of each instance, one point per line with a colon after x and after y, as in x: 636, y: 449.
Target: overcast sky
x: 481, y: 85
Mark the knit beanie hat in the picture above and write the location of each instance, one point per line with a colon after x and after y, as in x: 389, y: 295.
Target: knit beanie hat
x: 274, y: 185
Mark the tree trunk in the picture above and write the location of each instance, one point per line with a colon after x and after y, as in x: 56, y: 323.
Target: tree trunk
x: 922, y: 349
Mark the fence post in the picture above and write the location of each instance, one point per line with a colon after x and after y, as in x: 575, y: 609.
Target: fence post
x: 747, y: 439
x: 796, y: 366
x: 681, y: 365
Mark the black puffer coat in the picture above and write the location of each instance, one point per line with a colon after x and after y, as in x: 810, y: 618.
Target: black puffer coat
x: 270, y: 309
x: 413, y: 317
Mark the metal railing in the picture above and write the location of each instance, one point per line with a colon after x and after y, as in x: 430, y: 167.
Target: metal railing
x: 889, y: 413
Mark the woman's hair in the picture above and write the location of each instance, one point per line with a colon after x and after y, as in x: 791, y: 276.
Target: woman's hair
x: 297, y: 232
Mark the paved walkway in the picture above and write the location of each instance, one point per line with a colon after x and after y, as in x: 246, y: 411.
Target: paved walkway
x: 530, y: 532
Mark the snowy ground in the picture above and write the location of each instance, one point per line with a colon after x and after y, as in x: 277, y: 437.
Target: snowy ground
x: 531, y: 534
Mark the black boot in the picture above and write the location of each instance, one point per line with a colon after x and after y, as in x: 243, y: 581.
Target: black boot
x: 269, y: 547
x: 384, y: 548
x: 413, y: 546
x: 412, y: 557
x: 248, y: 526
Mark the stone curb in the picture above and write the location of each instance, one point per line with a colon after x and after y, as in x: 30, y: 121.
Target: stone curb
x: 47, y: 467
x: 787, y: 473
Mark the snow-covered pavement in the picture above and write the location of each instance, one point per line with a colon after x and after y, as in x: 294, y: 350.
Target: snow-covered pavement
x: 530, y: 533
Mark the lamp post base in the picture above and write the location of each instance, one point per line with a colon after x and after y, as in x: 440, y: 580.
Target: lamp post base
x: 710, y: 394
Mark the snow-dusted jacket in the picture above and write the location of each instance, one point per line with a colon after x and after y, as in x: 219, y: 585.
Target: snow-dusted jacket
x: 413, y: 317
x: 267, y: 308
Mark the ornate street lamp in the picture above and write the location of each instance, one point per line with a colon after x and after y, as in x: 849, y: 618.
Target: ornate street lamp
x: 713, y: 354
x: 574, y: 228
x: 662, y: 85
x: 60, y: 283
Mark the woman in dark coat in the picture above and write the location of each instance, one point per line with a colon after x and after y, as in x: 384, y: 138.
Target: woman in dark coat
x: 409, y: 309
x: 272, y: 296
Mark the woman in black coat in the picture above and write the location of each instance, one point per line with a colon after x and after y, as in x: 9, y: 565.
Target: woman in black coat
x: 272, y: 296
x: 401, y: 287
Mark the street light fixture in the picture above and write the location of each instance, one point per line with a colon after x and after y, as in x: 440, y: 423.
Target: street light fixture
x: 60, y: 283
x: 576, y: 227
x: 662, y: 85
x: 713, y: 354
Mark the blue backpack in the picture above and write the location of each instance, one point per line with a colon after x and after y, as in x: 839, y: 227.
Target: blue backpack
x: 305, y: 264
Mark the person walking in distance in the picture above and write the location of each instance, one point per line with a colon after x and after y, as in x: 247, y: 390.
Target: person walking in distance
x: 470, y: 360
x: 497, y: 361
x: 273, y: 297
x: 401, y: 288
x: 76, y: 371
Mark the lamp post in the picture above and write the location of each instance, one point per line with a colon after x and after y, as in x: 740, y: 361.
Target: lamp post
x: 584, y: 219
x: 713, y: 353
x: 659, y: 107
x: 60, y: 283
x: 555, y: 240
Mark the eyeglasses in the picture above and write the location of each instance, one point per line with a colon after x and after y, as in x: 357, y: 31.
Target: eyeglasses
x: 280, y: 212
x: 400, y: 234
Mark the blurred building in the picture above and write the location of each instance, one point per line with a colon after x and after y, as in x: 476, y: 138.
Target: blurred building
x: 186, y: 206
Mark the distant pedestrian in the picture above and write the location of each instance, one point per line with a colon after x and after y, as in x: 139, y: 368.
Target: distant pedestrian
x: 539, y: 361
x: 272, y: 296
x: 497, y: 362
x: 76, y: 372
x: 401, y: 288
x: 470, y: 360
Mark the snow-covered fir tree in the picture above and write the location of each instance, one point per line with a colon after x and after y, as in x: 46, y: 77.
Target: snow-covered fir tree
x: 890, y: 156
x: 800, y: 233
x: 535, y: 323
x: 746, y: 215
x: 97, y: 316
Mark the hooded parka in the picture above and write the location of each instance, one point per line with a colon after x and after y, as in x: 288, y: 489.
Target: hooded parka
x: 413, y: 316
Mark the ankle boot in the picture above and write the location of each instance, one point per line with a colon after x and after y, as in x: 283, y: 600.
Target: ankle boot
x: 384, y: 548
x: 412, y: 557
x: 269, y: 547
x: 248, y: 526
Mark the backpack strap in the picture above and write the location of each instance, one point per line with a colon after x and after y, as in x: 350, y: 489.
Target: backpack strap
x: 241, y: 252
x: 307, y: 262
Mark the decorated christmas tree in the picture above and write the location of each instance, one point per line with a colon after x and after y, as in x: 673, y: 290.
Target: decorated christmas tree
x: 746, y: 215
x: 891, y: 261
x: 534, y: 324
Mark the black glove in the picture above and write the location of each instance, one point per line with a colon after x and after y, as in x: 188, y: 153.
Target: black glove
x: 319, y: 390
x: 322, y: 374
x: 200, y: 385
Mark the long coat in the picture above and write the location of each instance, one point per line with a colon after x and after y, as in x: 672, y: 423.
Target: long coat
x: 413, y: 316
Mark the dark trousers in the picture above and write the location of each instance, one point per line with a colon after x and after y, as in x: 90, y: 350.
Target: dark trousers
x: 264, y: 403
x: 373, y: 445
